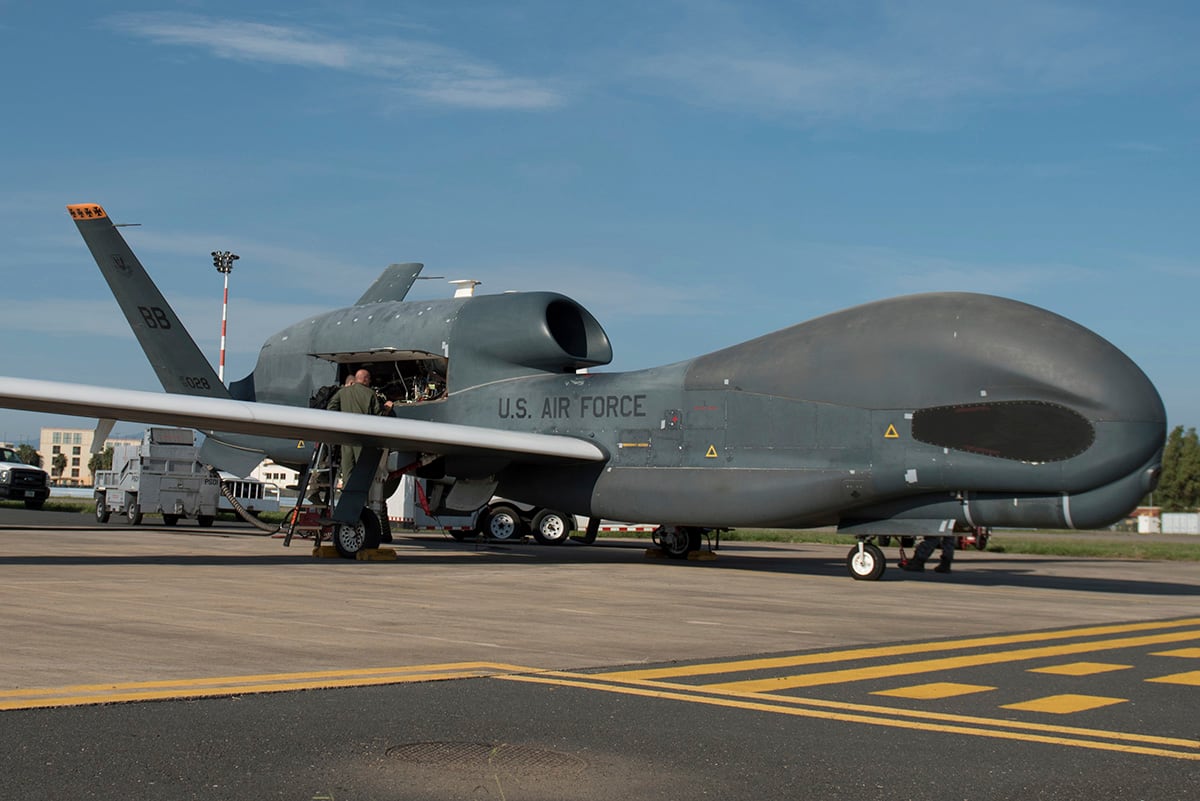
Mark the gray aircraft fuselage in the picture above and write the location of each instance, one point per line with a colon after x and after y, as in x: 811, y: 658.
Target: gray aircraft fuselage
x: 937, y: 407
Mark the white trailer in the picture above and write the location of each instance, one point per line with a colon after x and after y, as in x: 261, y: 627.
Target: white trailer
x: 252, y: 495
x: 499, y: 519
x: 1180, y: 523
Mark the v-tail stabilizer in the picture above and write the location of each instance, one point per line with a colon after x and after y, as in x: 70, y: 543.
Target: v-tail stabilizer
x: 177, y: 361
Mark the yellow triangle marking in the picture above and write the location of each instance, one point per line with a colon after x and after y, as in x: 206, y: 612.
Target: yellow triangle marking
x: 891, y: 433
x: 712, y: 452
x: 300, y: 443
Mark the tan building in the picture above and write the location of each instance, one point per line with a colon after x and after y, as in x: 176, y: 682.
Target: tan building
x: 271, y: 473
x: 75, y: 446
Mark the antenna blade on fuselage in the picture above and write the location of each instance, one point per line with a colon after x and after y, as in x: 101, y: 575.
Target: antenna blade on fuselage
x: 392, y: 285
x: 178, y: 362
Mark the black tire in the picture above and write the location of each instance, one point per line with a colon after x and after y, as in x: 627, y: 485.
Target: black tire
x: 133, y: 515
x: 867, y: 565
x: 33, y: 503
x: 362, y: 536
x: 679, y: 541
x: 504, y: 523
x: 170, y: 520
x: 551, y: 528
x: 102, y: 512
x: 204, y: 521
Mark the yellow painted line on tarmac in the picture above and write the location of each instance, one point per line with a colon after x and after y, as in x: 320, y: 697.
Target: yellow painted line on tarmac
x: 1186, y: 653
x: 209, y: 687
x: 1191, y: 679
x: 881, y: 716
x: 1066, y: 704
x: 918, y: 714
x: 1080, y: 669
x: 771, y: 663
x: 947, y: 663
x: 935, y: 690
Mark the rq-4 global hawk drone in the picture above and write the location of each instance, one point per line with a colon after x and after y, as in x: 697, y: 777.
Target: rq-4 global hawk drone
x: 905, y: 417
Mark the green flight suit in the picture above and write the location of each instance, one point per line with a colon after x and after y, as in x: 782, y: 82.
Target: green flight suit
x: 357, y: 399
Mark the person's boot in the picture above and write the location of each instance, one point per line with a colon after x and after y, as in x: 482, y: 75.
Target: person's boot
x: 943, y: 567
x: 914, y: 565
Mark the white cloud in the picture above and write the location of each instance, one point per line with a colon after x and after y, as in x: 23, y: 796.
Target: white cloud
x: 896, y: 61
x: 608, y: 292
x: 251, y: 322
x: 889, y: 271
x: 415, y: 68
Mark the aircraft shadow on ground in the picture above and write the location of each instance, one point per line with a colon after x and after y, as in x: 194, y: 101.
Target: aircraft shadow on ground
x: 974, y: 569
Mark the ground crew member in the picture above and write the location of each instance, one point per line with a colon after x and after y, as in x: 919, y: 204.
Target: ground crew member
x: 357, y: 397
x: 925, y: 549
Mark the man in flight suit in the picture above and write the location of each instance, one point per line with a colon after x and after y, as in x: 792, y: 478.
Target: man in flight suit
x: 357, y: 397
x: 924, y: 550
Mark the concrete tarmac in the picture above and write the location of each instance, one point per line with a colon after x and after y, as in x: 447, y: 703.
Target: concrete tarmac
x: 182, y: 612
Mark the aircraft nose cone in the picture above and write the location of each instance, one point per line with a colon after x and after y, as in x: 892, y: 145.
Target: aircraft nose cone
x: 1015, y: 351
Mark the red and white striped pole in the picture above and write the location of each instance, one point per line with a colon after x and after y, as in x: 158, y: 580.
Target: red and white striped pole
x: 223, y: 260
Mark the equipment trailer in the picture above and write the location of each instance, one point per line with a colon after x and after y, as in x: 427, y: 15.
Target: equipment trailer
x: 159, y: 476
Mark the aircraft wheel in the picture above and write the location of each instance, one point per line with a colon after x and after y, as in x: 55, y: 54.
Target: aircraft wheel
x: 504, y: 523
x: 170, y: 520
x: 363, y: 535
x: 981, y: 540
x: 133, y: 514
x: 101, y: 510
x: 678, y: 541
x: 866, y: 565
x: 551, y: 528
x: 204, y: 521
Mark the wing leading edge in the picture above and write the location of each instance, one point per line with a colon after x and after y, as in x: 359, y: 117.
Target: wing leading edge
x: 289, y: 422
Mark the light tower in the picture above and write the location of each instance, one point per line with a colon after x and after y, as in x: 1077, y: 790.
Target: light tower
x: 223, y: 260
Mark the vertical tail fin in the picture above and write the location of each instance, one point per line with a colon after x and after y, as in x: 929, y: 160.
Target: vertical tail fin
x: 179, y: 364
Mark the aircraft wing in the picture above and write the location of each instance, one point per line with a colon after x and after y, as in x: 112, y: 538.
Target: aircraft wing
x: 289, y: 422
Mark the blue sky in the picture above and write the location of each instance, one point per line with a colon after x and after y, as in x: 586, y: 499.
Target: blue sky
x: 695, y: 173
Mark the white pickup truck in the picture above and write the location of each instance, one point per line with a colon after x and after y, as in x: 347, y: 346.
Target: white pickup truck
x: 22, y: 482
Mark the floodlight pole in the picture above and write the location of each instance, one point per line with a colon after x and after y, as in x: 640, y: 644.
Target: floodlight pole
x: 223, y: 260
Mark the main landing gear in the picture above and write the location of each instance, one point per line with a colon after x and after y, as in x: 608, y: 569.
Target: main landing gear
x: 678, y: 541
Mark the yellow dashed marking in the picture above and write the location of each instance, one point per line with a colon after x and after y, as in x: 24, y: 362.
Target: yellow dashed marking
x: 1123, y: 742
x: 1186, y: 653
x: 937, y: 689
x: 1080, y: 669
x: 1191, y: 679
x: 876, y: 652
x: 777, y: 683
x: 1065, y: 704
